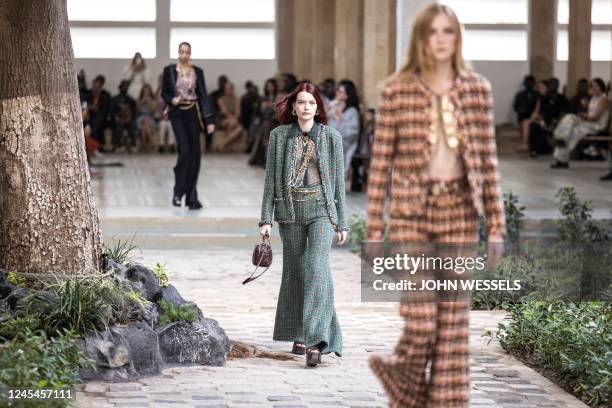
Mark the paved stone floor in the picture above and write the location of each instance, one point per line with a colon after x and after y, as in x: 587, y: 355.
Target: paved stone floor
x: 208, y: 253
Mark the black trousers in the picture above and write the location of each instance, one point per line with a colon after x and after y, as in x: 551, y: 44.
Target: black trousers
x: 187, y: 169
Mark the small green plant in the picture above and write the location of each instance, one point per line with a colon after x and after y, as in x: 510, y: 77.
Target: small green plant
x: 32, y: 360
x: 161, y: 272
x: 357, y: 227
x: 81, y: 305
x: 171, y: 313
x: 572, y: 339
x: 514, y: 218
x: 11, y: 327
x: 577, y: 225
x: 16, y: 280
x: 136, y: 298
x: 120, y: 251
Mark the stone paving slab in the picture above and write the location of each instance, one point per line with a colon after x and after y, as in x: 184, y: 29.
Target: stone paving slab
x: 213, y: 280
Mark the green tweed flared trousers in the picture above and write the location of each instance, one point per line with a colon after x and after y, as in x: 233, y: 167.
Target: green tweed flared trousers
x: 305, y: 310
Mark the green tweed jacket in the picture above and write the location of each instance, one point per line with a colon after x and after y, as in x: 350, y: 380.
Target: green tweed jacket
x: 279, y: 167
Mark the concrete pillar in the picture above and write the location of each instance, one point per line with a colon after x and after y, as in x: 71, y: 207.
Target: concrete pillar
x: 542, y: 37
x: 348, y: 53
x: 162, y: 36
x: 379, y: 46
x: 313, y: 39
x: 579, y: 59
x: 284, y: 34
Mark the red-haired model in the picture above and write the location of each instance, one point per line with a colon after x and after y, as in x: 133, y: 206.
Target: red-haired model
x: 304, y: 193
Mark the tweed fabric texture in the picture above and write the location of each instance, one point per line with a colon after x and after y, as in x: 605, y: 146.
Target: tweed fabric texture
x: 401, y: 149
x: 305, y: 311
x: 434, y: 332
x: 277, y: 201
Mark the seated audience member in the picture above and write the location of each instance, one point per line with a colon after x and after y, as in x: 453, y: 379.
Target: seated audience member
x: 164, y: 127
x: 525, y: 103
x: 608, y: 176
x: 328, y: 92
x: 361, y: 160
x: 229, y: 114
x: 580, y: 102
x: 551, y: 107
x: 266, y: 118
x: 573, y: 128
x: 98, y: 106
x: 123, y: 111
x: 344, y: 115
x: 137, y: 74
x: 145, y: 121
x: 82, y: 82
x: 249, y: 103
x: 214, y: 99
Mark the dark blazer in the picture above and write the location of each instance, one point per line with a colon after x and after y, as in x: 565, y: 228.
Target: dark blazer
x: 277, y: 199
x: 169, y: 92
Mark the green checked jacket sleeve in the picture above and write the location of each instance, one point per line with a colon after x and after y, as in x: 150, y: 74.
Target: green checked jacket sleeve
x: 337, y: 172
x: 267, y: 202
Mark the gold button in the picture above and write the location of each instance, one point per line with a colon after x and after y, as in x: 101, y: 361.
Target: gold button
x: 436, y: 189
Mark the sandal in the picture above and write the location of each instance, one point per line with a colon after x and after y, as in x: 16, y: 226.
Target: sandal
x: 298, y: 348
x: 313, y: 356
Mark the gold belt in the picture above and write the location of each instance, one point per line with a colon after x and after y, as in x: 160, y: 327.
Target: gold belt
x: 186, y: 106
x: 452, y: 186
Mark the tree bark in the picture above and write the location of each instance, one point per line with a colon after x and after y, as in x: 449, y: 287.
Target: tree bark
x: 48, y: 218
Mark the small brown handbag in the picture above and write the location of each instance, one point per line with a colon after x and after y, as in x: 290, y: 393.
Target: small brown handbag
x: 262, y: 257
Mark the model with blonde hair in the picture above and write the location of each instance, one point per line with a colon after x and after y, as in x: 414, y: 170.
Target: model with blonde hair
x: 435, y: 132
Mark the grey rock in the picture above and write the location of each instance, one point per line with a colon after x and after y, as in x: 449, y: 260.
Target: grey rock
x: 16, y: 295
x: 143, y: 281
x: 144, y: 347
x: 6, y: 290
x: 202, y: 342
x: 125, y: 352
x: 171, y: 295
x: 120, y: 270
x: 149, y: 313
x: 44, y: 301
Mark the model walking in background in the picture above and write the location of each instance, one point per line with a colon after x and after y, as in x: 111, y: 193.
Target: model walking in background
x: 304, y: 190
x: 184, y: 90
x: 435, y: 131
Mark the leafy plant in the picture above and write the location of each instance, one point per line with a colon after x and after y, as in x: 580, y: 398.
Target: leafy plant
x: 171, y: 313
x: 32, y: 360
x: 577, y: 224
x: 514, y: 218
x: 573, y: 339
x: 136, y: 298
x: 161, y: 272
x: 77, y: 305
x: 120, y: 251
x: 357, y: 227
x: 11, y: 327
x: 16, y: 280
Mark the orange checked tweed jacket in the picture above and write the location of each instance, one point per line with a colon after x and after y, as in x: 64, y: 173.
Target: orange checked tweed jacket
x: 401, y: 147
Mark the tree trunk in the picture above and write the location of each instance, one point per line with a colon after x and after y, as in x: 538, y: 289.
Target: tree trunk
x: 48, y: 218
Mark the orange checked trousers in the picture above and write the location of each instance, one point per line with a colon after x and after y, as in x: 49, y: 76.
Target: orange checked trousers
x: 435, y: 333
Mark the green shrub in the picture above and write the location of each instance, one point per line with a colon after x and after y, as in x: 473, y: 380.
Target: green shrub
x: 161, y: 272
x: 78, y: 305
x: 120, y: 251
x: 171, y: 313
x: 514, y: 219
x: 577, y: 225
x: 32, y: 360
x: 16, y: 280
x: 573, y: 339
x: 11, y: 327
